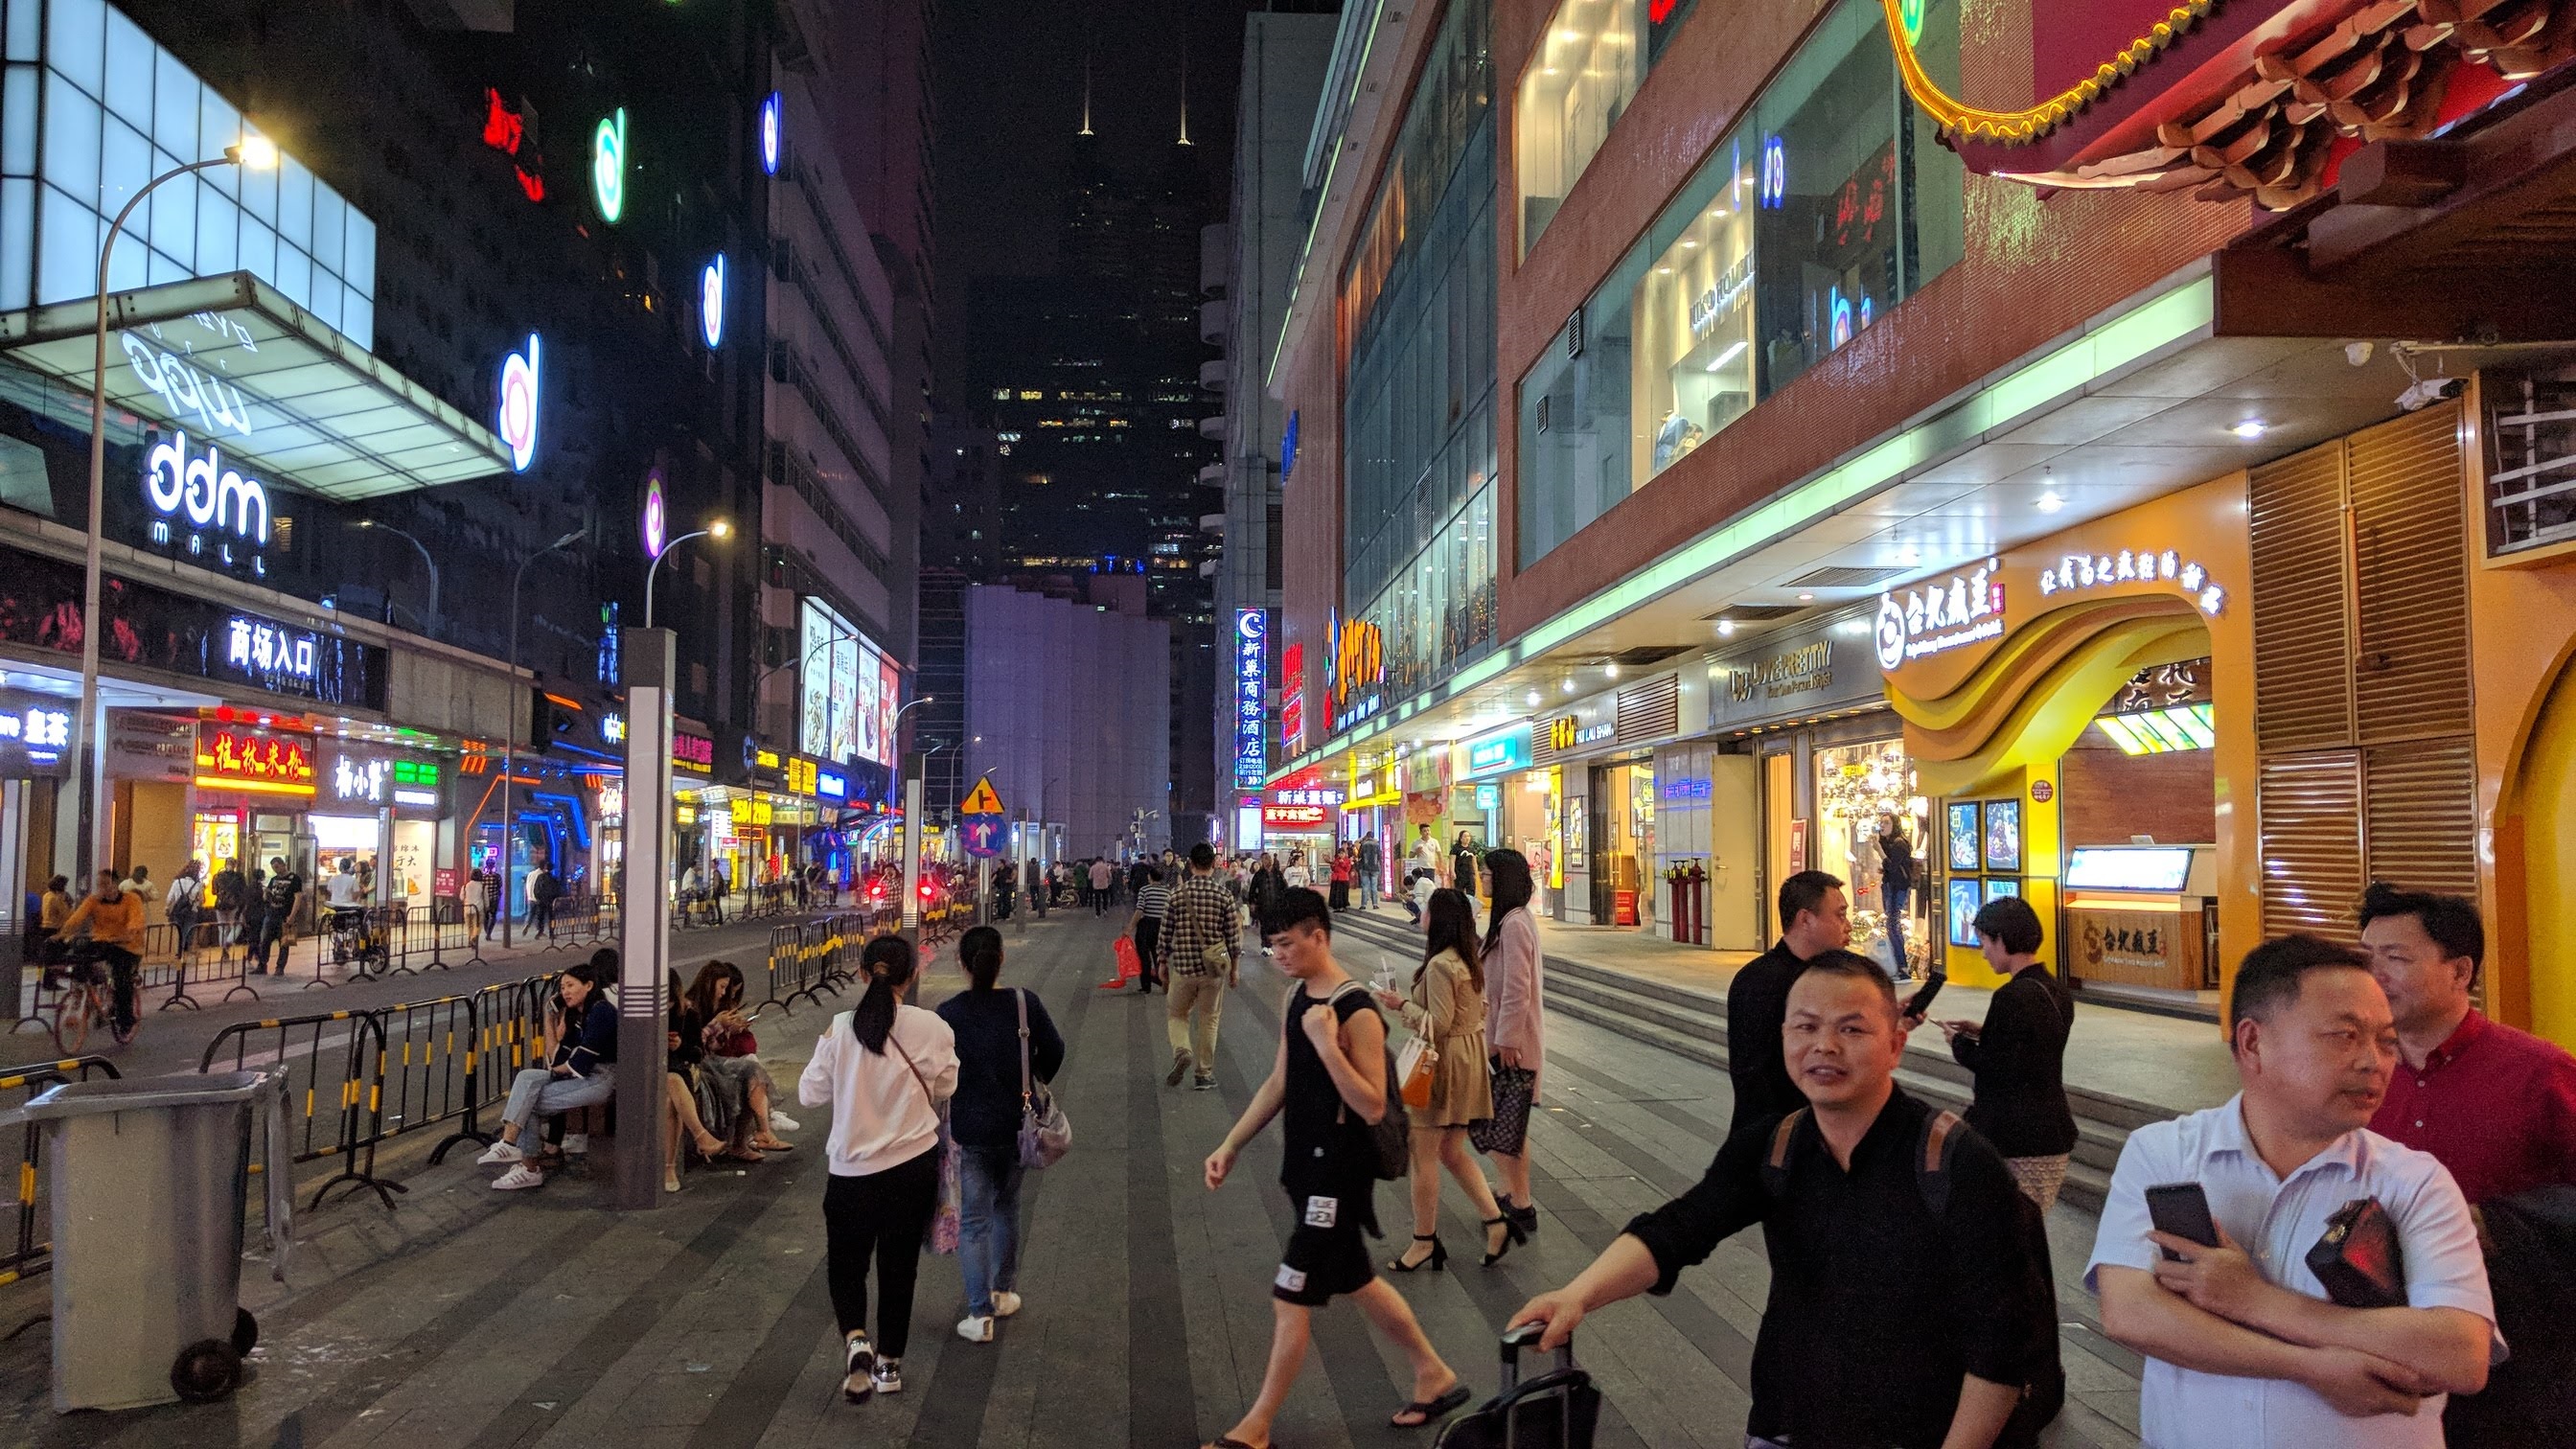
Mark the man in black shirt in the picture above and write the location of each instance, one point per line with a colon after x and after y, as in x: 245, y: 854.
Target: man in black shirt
x: 1329, y: 1078
x: 1815, y: 917
x: 1910, y: 1296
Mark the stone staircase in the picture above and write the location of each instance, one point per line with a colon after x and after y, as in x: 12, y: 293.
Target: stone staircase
x: 1692, y: 1023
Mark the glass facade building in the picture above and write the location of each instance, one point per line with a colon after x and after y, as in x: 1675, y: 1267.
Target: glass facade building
x: 1415, y: 325
x: 1587, y: 68
x: 1831, y: 204
x: 90, y: 111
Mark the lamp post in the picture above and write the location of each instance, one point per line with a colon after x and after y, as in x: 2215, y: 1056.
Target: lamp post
x: 718, y: 530
x: 423, y: 549
x: 912, y: 823
x: 259, y: 154
x: 509, y: 729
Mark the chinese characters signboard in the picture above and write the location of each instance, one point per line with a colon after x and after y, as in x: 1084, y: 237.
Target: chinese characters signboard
x: 1251, y: 754
x: 233, y: 758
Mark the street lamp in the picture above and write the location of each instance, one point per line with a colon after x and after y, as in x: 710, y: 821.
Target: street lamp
x: 432, y: 563
x: 509, y: 730
x: 718, y: 530
x: 259, y: 154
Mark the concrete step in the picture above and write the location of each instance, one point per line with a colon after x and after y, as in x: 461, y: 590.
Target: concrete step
x: 1692, y: 1023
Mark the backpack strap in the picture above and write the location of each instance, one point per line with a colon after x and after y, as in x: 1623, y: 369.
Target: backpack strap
x: 1932, y: 1160
x: 1775, y: 1163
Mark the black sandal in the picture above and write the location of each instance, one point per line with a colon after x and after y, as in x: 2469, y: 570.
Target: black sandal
x: 1513, y: 1236
x: 1455, y: 1397
x: 1437, y: 1260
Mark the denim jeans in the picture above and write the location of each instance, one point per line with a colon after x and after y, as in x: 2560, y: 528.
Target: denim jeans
x: 988, y: 1223
x: 537, y: 1091
x: 1897, y: 902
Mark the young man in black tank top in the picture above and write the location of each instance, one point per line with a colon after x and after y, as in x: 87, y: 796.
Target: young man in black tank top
x: 1329, y: 1079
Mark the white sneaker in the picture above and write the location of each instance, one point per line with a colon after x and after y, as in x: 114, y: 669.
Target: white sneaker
x: 781, y: 1122
x: 976, y: 1328
x: 1005, y: 1304
x: 576, y: 1143
x: 518, y: 1177
x: 887, y: 1375
x: 860, y: 1358
x: 497, y: 1154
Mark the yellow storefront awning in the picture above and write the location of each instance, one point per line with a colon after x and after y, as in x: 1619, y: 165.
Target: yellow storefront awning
x: 233, y: 363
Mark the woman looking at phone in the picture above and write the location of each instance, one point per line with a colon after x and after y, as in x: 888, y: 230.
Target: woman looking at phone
x: 2019, y: 1054
x: 738, y: 1094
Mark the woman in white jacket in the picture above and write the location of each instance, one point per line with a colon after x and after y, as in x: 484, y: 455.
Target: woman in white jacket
x: 883, y: 1068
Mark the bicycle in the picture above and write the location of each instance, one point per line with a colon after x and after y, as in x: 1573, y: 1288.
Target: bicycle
x: 85, y: 998
x: 351, y: 940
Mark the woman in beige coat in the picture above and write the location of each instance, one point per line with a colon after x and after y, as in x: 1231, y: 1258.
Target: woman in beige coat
x: 1447, y: 1006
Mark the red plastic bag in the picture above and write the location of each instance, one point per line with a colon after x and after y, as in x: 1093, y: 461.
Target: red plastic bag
x: 1130, y: 966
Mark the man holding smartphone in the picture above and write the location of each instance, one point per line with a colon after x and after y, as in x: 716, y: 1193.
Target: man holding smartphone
x: 2244, y: 1346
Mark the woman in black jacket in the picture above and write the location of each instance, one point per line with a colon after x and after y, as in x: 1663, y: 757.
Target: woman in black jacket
x: 2019, y: 1054
x: 984, y: 1117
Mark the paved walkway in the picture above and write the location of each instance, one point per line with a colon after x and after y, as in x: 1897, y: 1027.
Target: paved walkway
x: 540, y: 1319
x: 2158, y: 1061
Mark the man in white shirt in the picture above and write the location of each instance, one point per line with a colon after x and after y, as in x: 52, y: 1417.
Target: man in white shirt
x: 1427, y: 853
x: 2243, y: 1346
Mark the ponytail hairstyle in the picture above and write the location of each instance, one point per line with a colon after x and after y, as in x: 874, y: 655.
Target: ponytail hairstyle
x: 888, y: 964
x: 980, y: 952
x: 1512, y: 890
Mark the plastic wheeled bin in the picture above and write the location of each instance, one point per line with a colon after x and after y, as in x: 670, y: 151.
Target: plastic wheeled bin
x: 149, y: 1178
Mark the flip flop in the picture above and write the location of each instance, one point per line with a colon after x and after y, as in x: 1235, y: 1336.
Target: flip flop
x: 1455, y: 1397
x: 1228, y: 1441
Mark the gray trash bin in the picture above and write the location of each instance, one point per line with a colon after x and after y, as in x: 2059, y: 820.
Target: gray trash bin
x: 149, y: 1178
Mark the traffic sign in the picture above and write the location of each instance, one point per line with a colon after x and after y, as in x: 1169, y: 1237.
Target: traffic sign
x: 979, y: 821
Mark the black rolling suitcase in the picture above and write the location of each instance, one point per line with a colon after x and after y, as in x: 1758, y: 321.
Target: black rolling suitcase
x: 1556, y: 1410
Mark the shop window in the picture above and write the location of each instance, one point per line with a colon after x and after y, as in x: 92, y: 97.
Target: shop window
x: 1804, y: 227
x: 1863, y: 793
x: 1588, y: 64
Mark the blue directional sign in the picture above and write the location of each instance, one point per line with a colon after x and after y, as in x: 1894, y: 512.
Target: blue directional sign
x: 979, y: 821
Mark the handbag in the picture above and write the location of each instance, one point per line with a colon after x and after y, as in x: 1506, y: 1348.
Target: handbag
x: 1045, y: 1132
x: 947, y: 1219
x: 2357, y: 1261
x: 1413, y: 1068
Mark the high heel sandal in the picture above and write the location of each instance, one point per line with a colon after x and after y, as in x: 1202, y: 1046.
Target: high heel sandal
x: 1513, y: 1236
x: 1438, y: 1259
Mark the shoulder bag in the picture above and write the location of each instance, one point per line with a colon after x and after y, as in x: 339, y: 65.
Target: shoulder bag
x: 1045, y: 1132
x: 945, y: 1222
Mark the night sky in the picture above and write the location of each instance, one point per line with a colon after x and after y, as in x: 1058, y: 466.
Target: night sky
x: 1010, y: 99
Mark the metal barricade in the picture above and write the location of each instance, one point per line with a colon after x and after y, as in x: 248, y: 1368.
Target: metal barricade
x: 430, y: 1068
x: 333, y: 1082
x: 25, y: 1256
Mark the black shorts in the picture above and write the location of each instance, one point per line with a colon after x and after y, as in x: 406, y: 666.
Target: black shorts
x: 1327, y: 1254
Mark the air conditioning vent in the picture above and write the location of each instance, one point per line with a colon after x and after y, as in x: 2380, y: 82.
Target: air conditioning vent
x: 1543, y: 400
x: 1574, y: 334
x: 1842, y: 578
x: 1756, y: 613
x: 1643, y: 655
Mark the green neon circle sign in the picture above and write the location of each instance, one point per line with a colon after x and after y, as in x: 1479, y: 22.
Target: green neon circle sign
x: 608, y: 165
x: 1911, y: 13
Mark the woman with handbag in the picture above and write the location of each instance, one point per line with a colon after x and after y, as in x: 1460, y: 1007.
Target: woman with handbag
x: 680, y: 1074
x: 884, y: 1069
x: 1007, y: 1049
x: 735, y: 1092
x: 1446, y: 1082
x: 1515, y: 1030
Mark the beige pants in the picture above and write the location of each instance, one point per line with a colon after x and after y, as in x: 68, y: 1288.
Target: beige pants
x: 1196, y: 1002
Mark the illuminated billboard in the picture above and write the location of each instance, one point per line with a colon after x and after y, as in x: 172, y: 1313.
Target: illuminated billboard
x: 847, y: 690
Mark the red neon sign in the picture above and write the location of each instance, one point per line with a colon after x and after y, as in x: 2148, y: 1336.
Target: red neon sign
x: 505, y: 130
x: 241, y: 760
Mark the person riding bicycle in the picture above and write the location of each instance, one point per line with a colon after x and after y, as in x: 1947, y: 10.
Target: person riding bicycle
x: 114, y: 918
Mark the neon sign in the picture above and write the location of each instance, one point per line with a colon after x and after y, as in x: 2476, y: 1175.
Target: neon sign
x: 519, y: 384
x: 356, y: 779
x: 657, y: 518
x: 1294, y: 817
x: 608, y: 166
x: 695, y: 752
x: 504, y: 130
x: 207, y: 495
x: 270, y: 651
x: 2094, y: 571
x: 238, y: 760
x: 1775, y: 173
x: 44, y: 733
x: 711, y: 298
x: 1937, y: 618
x: 769, y: 128
x: 1251, y: 645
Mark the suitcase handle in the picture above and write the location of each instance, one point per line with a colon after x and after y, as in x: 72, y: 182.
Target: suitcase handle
x: 1527, y: 1335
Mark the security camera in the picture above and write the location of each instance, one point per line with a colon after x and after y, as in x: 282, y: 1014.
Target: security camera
x: 2426, y: 391
x: 2358, y: 353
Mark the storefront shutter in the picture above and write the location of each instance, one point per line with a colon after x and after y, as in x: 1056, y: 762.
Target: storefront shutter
x: 2410, y: 567
x: 2419, y: 817
x: 1651, y: 709
x: 2310, y: 806
x: 2302, y: 631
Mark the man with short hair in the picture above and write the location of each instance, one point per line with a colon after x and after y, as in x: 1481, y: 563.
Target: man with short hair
x: 1427, y: 854
x: 1863, y: 1341
x: 1103, y: 876
x: 1200, y: 919
x: 277, y: 908
x: 2497, y: 1106
x: 1153, y: 900
x: 1815, y: 917
x: 2244, y: 1346
x: 1370, y: 861
x: 1328, y: 1080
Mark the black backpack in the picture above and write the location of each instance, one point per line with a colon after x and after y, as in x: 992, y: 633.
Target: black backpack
x: 2035, y: 1292
x: 1392, y: 1134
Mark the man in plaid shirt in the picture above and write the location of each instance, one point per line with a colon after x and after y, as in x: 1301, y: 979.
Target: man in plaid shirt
x: 1201, y: 915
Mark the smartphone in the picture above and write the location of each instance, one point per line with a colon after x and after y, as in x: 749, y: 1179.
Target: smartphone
x: 2182, y: 1210
x: 1922, y: 1001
